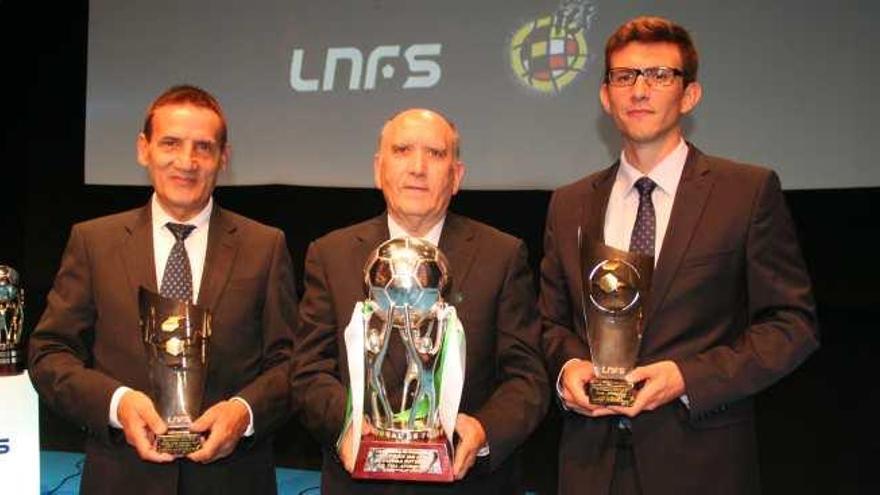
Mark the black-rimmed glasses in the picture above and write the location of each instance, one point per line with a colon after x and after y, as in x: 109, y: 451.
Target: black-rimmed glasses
x: 654, y: 76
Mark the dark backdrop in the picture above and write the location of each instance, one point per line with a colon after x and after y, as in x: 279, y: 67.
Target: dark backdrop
x: 815, y: 430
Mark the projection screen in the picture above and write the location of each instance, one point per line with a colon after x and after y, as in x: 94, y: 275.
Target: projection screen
x: 306, y: 85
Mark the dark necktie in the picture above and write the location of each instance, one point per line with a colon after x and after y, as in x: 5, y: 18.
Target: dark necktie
x: 177, y: 279
x: 642, y: 240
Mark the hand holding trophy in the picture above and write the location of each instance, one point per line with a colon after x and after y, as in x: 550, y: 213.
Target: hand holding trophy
x: 406, y: 392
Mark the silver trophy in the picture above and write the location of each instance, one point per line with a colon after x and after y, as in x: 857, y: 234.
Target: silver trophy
x: 176, y: 335
x: 616, y: 287
x: 405, y: 280
x: 12, y: 355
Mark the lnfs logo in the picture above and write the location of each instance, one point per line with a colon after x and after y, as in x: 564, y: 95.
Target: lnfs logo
x: 550, y: 52
x: 423, y: 69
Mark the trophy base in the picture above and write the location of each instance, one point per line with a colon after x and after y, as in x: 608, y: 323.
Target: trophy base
x: 179, y: 443
x: 425, y: 460
x: 610, y: 392
x: 11, y: 362
x: 13, y: 369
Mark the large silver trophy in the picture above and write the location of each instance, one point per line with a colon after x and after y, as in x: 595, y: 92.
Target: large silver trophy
x: 403, y: 402
x: 616, y: 287
x: 12, y: 355
x: 176, y: 337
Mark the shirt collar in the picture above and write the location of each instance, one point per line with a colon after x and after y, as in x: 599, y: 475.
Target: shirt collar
x: 161, y: 217
x: 433, y: 235
x: 666, y: 174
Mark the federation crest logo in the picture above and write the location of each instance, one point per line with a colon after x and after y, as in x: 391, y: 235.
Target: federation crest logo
x: 550, y: 52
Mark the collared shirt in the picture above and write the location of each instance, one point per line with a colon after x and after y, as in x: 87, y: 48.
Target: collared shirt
x: 196, y: 243
x: 623, y: 204
x: 433, y: 235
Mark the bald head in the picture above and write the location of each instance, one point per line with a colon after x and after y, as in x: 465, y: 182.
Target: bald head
x: 424, y: 114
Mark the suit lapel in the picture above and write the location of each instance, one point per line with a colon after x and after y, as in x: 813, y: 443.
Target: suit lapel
x: 592, y: 229
x: 369, y: 236
x: 595, y: 204
x: 456, y: 242
x: 137, y: 252
x: 223, y: 243
x: 690, y: 200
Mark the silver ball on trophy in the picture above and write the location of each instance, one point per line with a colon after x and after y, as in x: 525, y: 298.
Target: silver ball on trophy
x: 12, y: 355
x: 407, y: 273
x: 614, y: 286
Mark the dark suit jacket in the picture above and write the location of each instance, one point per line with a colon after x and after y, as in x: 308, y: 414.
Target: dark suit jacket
x: 88, y: 343
x: 505, y: 384
x: 730, y: 304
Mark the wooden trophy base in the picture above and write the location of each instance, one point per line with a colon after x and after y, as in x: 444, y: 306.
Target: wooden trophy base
x: 609, y: 392
x: 423, y: 460
x: 179, y: 442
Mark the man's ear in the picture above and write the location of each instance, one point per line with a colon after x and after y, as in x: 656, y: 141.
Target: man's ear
x: 142, y: 145
x: 225, y: 154
x: 692, y: 94
x: 603, y: 98
x: 377, y: 171
x: 458, y: 171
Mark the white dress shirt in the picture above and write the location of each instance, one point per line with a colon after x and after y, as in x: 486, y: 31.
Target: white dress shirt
x: 623, y: 204
x: 196, y: 244
x: 433, y: 235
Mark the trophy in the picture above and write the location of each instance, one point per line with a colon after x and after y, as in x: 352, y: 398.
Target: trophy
x: 409, y: 399
x: 176, y: 337
x: 615, y: 286
x: 12, y: 356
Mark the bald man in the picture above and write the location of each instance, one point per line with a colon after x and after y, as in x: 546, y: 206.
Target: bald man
x: 505, y: 395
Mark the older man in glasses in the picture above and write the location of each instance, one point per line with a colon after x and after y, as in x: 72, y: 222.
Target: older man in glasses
x: 730, y: 309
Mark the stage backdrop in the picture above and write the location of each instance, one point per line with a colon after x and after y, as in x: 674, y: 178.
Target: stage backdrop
x: 307, y: 84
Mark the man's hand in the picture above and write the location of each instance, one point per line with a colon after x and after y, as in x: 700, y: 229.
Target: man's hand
x: 576, y: 376
x: 346, y: 452
x: 141, y: 423
x: 663, y: 383
x: 226, y: 421
x: 471, y: 437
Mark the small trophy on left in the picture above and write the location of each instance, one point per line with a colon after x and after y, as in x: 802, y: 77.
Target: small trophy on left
x: 176, y: 335
x: 12, y: 355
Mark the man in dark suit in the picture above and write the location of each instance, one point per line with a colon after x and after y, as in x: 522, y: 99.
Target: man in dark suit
x: 87, y: 357
x: 505, y: 394
x: 730, y: 309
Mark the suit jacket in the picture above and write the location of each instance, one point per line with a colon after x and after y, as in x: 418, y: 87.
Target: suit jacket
x: 730, y: 304
x: 492, y: 289
x: 88, y: 343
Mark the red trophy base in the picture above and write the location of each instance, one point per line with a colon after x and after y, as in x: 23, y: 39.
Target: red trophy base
x: 11, y: 362
x: 423, y: 460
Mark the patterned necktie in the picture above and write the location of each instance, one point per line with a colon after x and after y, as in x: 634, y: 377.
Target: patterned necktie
x: 177, y: 279
x: 642, y: 240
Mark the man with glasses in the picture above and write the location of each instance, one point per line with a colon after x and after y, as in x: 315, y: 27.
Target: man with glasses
x: 730, y: 309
